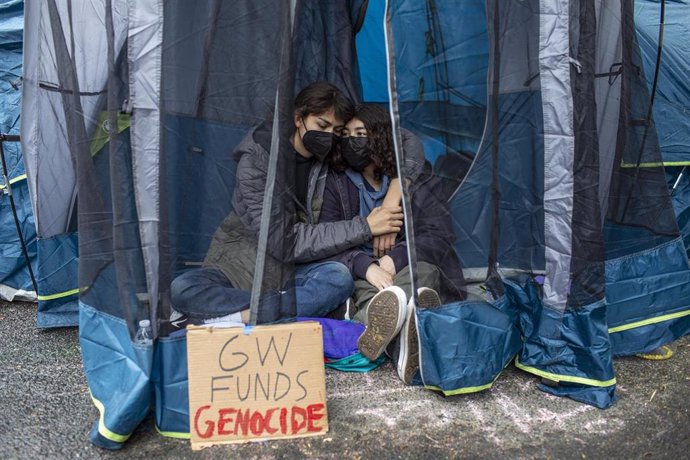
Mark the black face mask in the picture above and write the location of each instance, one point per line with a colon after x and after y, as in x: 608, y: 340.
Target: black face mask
x: 356, y: 152
x: 319, y: 143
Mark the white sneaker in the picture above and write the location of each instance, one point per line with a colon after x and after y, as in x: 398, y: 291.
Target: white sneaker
x: 386, y: 314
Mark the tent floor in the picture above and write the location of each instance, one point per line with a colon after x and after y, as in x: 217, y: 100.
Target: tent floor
x: 45, y: 411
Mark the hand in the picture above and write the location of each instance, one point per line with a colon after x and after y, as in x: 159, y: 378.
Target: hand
x: 383, y: 243
x: 378, y: 277
x: 385, y: 220
x: 387, y: 264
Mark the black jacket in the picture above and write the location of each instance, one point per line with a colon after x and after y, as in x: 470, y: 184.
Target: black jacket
x: 433, y: 229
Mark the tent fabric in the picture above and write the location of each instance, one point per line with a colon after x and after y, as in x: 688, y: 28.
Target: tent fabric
x: 657, y: 278
x: 132, y: 232
x: 15, y: 280
x: 559, y: 148
x: 171, y: 388
x: 479, y: 340
x: 51, y: 178
x: 556, y: 346
x: 107, y: 351
x: 672, y: 101
x: 555, y: 112
x: 56, y: 269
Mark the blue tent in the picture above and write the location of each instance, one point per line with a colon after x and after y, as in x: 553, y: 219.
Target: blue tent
x: 15, y: 280
x: 672, y: 98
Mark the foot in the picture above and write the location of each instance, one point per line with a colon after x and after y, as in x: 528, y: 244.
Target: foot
x: 178, y: 320
x: 385, y: 317
x: 428, y: 298
x: 408, y: 350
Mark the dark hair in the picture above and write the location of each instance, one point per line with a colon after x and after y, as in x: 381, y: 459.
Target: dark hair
x: 320, y: 97
x: 377, y: 122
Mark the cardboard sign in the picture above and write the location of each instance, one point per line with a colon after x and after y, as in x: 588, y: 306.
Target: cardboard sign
x: 250, y: 384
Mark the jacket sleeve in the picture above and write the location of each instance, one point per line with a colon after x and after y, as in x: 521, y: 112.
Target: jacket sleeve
x: 248, y: 197
x: 434, y: 234
x: 399, y: 255
x: 311, y: 242
x: 413, y: 155
x: 319, y: 241
x: 332, y: 235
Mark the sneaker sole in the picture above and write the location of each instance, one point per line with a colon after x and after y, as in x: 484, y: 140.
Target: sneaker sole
x: 408, y: 360
x: 384, y: 320
x: 428, y: 298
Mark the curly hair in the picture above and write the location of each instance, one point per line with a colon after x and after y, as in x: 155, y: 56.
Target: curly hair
x: 380, y: 141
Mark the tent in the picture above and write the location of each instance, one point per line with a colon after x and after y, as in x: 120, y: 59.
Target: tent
x: 672, y: 94
x: 15, y: 277
x: 534, y: 114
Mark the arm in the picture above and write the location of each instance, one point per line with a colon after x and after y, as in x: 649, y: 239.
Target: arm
x: 413, y: 154
x: 335, y: 234
x: 434, y: 233
x: 311, y: 241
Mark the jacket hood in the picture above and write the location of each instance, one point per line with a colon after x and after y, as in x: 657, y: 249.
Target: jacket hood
x: 256, y: 141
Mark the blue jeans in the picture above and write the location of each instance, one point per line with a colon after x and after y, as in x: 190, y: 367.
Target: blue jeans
x: 317, y: 288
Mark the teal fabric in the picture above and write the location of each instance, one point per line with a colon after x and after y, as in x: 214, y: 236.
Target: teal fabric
x: 355, y: 363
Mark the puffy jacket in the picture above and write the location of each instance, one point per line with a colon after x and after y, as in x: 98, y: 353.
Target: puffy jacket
x: 233, y: 248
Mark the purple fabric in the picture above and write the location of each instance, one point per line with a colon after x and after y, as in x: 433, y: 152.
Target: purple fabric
x: 339, y: 337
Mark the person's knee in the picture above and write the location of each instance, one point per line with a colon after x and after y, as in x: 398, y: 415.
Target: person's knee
x: 429, y: 275
x: 180, y: 289
x: 177, y: 287
x: 341, y: 276
x: 340, y: 281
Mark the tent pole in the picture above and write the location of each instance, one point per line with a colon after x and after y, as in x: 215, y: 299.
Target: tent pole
x: 8, y: 190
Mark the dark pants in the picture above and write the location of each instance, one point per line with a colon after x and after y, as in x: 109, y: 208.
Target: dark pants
x: 205, y: 293
x: 428, y: 275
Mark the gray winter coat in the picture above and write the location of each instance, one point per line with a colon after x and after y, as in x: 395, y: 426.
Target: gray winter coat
x: 233, y: 249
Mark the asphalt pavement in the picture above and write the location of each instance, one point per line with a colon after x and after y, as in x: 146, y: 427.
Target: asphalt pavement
x: 46, y: 412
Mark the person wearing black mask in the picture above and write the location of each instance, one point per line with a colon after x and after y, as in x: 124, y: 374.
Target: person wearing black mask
x: 221, y: 288
x: 362, y: 171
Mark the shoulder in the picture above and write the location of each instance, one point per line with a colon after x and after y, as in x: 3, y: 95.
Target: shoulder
x: 249, y: 150
x: 411, y: 141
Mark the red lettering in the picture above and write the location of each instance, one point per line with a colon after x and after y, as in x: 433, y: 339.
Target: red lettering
x: 225, y: 417
x: 312, y: 415
x: 267, y: 419
x: 296, y: 426
x: 209, y: 423
x: 257, y: 423
x: 242, y: 422
x: 283, y: 420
